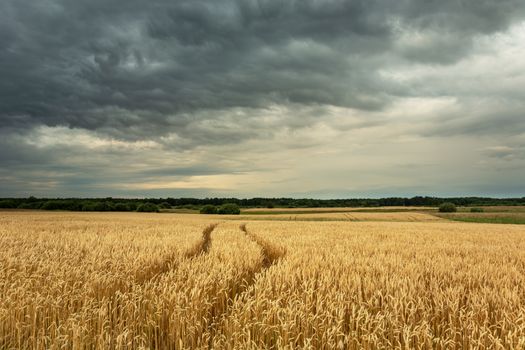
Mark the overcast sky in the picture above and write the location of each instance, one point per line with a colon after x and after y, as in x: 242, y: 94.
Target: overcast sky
x: 303, y: 98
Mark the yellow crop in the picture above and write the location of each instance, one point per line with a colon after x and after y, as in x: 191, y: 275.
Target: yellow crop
x: 167, y: 281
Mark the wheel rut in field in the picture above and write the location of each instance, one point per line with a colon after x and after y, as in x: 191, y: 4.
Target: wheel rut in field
x: 350, y: 217
x: 200, y: 248
x: 271, y: 254
x: 204, y: 245
x: 169, y: 262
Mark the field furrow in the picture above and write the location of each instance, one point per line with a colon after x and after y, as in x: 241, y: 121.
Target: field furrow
x: 271, y: 252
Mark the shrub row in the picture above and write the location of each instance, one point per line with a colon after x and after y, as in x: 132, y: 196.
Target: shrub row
x: 225, y: 209
x: 85, y: 205
x: 447, y: 208
x: 198, y: 203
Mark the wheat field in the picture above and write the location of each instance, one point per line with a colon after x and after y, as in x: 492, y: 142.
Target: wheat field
x: 167, y: 281
x: 347, y: 216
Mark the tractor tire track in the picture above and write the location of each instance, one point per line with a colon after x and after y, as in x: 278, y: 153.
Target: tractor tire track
x: 271, y: 255
x: 110, y: 295
x: 200, y: 248
x: 204, y: 245
x: 169, y: 262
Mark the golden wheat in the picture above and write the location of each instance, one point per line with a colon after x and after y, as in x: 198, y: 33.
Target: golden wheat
x: 153, y: 281
x: 386, y: 285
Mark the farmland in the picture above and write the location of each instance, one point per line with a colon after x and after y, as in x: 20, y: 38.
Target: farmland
x: 324, y: 281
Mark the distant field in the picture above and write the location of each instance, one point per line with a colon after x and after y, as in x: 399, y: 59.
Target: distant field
x: 492, y: 214
x: 509, y: 217
x: 340, y: 216
x: 497, y: 209
x: 273, y: 211
x: 180, y: 281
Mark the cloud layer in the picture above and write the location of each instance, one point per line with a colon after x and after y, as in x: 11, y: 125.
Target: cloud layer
x: 304, y: 98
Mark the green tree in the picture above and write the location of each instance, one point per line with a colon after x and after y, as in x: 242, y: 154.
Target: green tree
x: 229, y: 208
x: 122, y: 207
x: 148, y: 208
x: 447, y: 207
x: 208, y: 209
x: 165, y: 205
x: 8, y: 204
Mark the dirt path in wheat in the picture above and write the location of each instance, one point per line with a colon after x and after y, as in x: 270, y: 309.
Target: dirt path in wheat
x: 271, y: 254
x: 169, y: 262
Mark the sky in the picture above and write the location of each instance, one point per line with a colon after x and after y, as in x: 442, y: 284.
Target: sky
x: 262, y: 98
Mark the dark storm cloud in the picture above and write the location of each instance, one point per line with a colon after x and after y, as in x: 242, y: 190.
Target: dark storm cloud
x: 137, y: 70
x: 126, y: 97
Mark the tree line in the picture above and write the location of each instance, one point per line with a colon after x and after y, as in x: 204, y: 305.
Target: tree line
x: 155, y: 204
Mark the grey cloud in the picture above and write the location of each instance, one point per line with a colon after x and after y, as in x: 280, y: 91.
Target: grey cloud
x: 478, y: 120
x: 29, y: 167
x: 500, y: 151
x: 507, y: 153
x: 135, y: 70
x: 230, y: 87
